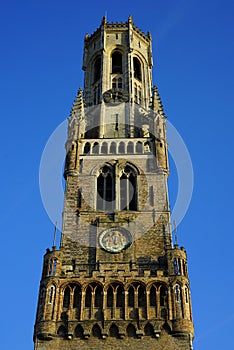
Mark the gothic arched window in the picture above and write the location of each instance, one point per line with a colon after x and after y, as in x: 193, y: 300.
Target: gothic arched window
x: 98, y: 297
x: 110, y: 297
x: 97, y: 69
x: 116, y: 62
x: 131, y: 331
x: 77, y: 297
x: 141, y: 296
x: 153, y: 296
x: 120, y: 296
x: 88, y: 297
x: 105, y: 189
x: 128, y: 183
x: 163, y: 296
x: 66, y: 298
x: 137, y: 68
x: 131, y: 293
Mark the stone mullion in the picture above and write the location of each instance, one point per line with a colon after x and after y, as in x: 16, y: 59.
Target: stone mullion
x: 92, y: 304
x: 135, y: 298
x: 105, y: 304
x: 114, y: 304
x: 170, y: 307
x: 82, y: 305
x: 183, y: 306
x: 126, y: 305
x: 59, y: 303
x: 158, y: 304
x: 147, y: 303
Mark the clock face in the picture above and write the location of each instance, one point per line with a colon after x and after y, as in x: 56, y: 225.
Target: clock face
x: 114, y: 240
x: 115, y: 95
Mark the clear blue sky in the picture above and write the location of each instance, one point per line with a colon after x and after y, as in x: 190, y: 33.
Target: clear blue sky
x: 41, y: 53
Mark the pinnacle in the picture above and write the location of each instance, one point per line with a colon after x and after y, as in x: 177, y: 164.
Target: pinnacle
x: 78, y: 104
x: 157, y: 103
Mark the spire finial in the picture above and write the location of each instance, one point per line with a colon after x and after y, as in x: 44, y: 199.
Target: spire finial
x: 175, y: 233
x: 157, y: 103
x: 55, y: 234
x: 78, y: 104
x: 130, y: 20
x: 104, y: 18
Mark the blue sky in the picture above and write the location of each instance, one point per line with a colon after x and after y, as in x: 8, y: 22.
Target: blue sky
x: 41, y: 58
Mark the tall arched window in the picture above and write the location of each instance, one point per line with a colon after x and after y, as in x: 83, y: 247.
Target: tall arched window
x: 77, y: 297
x: 128, y: 183
x: 120, y: 296
x: 141, y: 296
x: 66, y: 298
x: 88, y: 297
x: 131, y: 293
x: 110, y: 297
x: 97, y: 69
x: 163, y: 296
x: 98, y: 297
x: 137, y: 68
x: 153, y: 296
x: 105, y: 189
x: 116, y: 62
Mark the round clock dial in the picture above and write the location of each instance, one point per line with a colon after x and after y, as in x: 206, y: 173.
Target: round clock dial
x: 115, y: 95
x: 115, y: 240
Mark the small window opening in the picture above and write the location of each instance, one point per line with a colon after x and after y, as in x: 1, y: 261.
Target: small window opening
x: 97, y: 69
x: 116, y: 62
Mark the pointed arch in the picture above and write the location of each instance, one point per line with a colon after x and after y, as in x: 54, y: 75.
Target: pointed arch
x: 131, y: 331
x: 98, y: 297
x: 95, y: 148
x: 88, y: 297
x: 114, y: 331
x: 62, y: 332
x: 96, y: 331
x: 137, y: 68
x: 141, y: 296
x: 97, y: 69
x: 110, y: 297
x: 105, y: 188
x: 79, y: 332
x: 116, y: 62
x: 149, y: 330
x: 66, y: 297
x: 153, y: 295
x: 120, y: 296
x: 139, y: 147
x: 163, y: 295
x: 121, y: 148
x: 104, y: 148
x: 113, y: 148
x: 77, y: 297
x: 128, y: 189
x: 130, y: 147
x: 87, y: 148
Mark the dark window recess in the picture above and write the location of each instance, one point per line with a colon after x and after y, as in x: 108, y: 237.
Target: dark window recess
x: 152, y: 296
x: 97, y: 69
x: 66, y: 298
x: 116, y: 62
x: 88, y: 297
x: 110, y: 297
x: 137, y: 68
x: 120, y: 297
x: 131, y: 297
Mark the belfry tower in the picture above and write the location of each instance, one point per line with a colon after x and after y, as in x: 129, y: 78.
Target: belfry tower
x: 116, y: 281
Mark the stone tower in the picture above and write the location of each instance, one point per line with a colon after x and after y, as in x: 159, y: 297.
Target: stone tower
x: 116, y: 281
